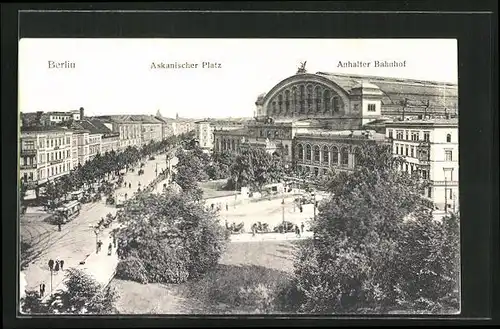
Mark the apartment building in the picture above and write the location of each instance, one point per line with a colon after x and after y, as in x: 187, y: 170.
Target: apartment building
x: 45, y: 153
x: 151, y: 128
x: 430, y: 147
x: 129, y: 131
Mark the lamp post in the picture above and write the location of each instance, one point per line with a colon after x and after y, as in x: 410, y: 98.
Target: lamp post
x: 445, y: 194
x: 314, y: 205
x: 96, y: 231
x: 283, y: 214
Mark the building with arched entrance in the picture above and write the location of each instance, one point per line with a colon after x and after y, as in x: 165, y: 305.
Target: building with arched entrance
x: 319, y: 120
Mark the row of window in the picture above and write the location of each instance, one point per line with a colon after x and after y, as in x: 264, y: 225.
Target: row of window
x: 53, y: 142
x: 317, y: 99
x: 53, y: 171
x: 26, y: 161
x: 413, y: 136
x: 413, y: 152
x: 314, y: 153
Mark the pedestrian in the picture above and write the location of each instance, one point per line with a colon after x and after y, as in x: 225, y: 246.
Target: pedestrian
x: 300, y: 208
x: 129, y: 185
x: 59, y: 226
x: 61, y: 262
x: 253, y: 229
x: 51, y: 264
x: 110, y: 248
x: 212, y: 205
x: 41, y: 289
x: 227, y: 207
x: 56, y: 268
x: 297, y: 231
x: 302, y: 227
x: 114, y: 241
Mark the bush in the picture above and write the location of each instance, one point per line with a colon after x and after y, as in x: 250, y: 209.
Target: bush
x: 175, y: 238
x: 251, y: 289
x: 132, y: 269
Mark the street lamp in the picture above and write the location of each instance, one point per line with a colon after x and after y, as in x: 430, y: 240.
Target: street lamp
x: 51, y: 267
x: 314, y: 205
x: 96, y: 231
x: 283, y: 214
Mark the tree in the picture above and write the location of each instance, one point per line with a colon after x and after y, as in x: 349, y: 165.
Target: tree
x: 190, y: 170
x: 168, y: 238
x: 376, y: 245
x: 255, y: 167
x: 82, y: 295
x: 53, y: 194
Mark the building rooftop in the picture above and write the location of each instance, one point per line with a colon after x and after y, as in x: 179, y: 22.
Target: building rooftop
x: 42, y: 128
x: 419, y: 93
x: 430, y: 122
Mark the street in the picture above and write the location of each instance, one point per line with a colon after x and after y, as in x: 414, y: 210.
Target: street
x: 77, y: 241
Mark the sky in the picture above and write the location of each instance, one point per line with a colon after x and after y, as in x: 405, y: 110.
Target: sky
x: 114, y: 76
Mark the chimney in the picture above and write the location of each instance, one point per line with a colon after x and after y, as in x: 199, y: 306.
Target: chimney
x: 82, y: 113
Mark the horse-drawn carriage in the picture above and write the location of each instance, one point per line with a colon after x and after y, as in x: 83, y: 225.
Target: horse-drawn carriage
x: 285, y: 227
x: 236, y: 228
x: 261, y: 228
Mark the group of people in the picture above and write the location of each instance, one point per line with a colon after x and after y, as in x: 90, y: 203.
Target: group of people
x: 218, y: 206
x: 111, y: 245
x: 57, y: 265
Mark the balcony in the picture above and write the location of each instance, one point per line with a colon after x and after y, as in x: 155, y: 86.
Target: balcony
x: 28, y: 166
x: 28, y: 151
x: 52, y: 162
x: 444, y: 183
x: 424, y: 144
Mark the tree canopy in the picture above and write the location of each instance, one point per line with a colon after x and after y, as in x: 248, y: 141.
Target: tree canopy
x: 168, y: 238
x: 376, y: 246
x: 82, y: 295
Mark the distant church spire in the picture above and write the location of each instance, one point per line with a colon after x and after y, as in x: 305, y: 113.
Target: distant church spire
x: 177, y: 115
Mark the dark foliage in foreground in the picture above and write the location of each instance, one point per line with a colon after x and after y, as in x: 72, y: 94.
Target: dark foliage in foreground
x: 167, y: 238
x: 376, y: 247
x: 82, y: 296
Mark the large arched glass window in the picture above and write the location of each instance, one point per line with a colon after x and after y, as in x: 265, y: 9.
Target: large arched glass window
x: 335, y: 156
x: 325, y: 155
x: 336, y: 104
x: 316, y: 153
x: 344, y: 157
x: 326, y: 98
x: 448, y: 138
x: 357, y: 154
x: 302, y: 99
x: 300, y: 152
x: 318, y: 98
x: 274, y: 107
x: 308, y: 152
x: 295, y: 100
x: 287, y: 100
x: 309, y: 98
x: 280, y: 103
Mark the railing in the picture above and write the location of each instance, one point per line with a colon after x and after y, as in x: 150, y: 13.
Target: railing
x: 56, y: 161
x: 424, y: 144
x: 444, y: 183
x: 28, y: 166
x: 28, y: 151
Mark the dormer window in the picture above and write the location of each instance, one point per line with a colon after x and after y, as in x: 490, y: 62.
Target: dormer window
x: 371, y: 108
x: 448, y: 138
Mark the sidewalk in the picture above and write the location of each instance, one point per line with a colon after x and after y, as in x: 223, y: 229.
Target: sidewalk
x: 100, y: 266
x: 247, y: 237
